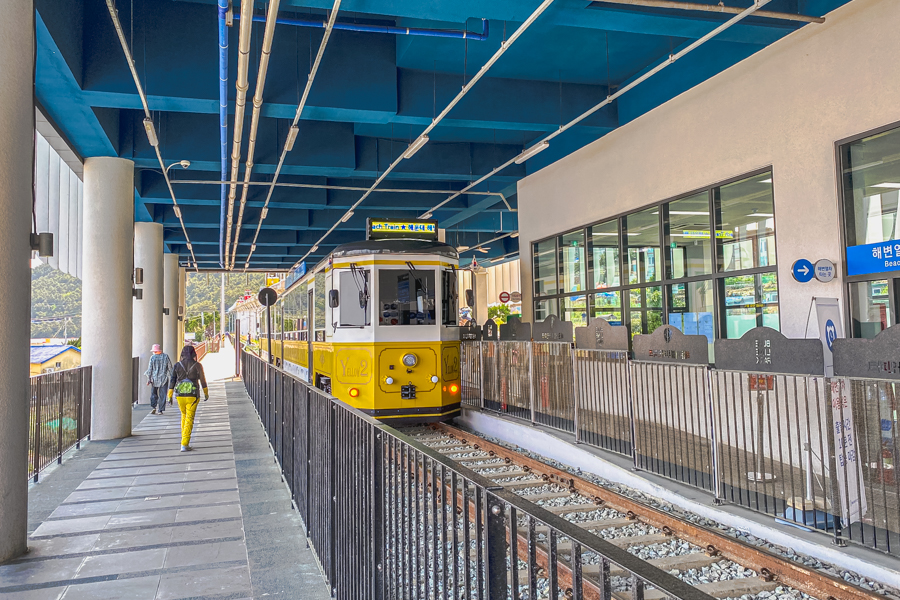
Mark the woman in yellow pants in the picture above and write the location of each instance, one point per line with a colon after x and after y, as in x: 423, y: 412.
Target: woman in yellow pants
x: 187, y: 380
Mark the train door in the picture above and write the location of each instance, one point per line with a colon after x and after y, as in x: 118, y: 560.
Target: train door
x: 309, y: 336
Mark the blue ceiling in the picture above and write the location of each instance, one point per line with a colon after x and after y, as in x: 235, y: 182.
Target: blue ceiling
x: 374, y: 93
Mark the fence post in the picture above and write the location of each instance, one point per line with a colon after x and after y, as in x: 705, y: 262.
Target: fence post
x: 332, y: 495
x: 481, y: 370
x: 714, y: 442
x: 495, y: 545
x: 36, y: 441
x: 531, y: 379
x: 629, y: 390
x: 377, y: 514
x: 61, y: 391
x: 79, y: 402
x: 575, y: 394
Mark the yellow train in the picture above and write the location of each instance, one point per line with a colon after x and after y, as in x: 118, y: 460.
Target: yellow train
x: 375, y: 324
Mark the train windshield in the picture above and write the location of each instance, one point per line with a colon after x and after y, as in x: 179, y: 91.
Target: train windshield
x: 406, y: 297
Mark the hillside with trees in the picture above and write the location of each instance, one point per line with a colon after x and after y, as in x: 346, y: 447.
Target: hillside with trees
x: 54, y: 297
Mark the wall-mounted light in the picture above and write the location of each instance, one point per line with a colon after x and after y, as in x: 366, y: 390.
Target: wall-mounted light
x: 347, y: 216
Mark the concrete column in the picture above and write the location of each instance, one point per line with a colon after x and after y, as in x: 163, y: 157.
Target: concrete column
x: 147, y: 320
x: 171, y: 344
x: 16, y: 180
x: 106, y: 297
x: 480, y: 283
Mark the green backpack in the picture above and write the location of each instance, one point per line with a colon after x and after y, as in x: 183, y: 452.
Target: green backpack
x: 186, y: 387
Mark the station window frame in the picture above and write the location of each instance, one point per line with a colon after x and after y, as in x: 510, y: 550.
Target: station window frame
x: 893, y: 278
x: 716, y: 276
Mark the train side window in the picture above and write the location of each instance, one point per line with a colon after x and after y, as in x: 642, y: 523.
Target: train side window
x: 449, y: 299
x: 354, y: 306
x: 406, y: 297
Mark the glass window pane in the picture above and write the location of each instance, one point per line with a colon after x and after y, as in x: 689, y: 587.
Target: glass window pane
x: 691, y: 309
x: 353, y: 309
x: 574, y: 310
x: 544, y: 308
x: 406, y: 297
x: 572, y: 268
x: 871, y: 180
x: 449, y: 298
x: 605, y: 254
x: 750, y: 301
x: 688, y: 241
x: 642, y: 239
x: 545, y: 283
x: 745, y: 223
x: 319, y: 309
x: 607, y: 305
x: 870, y: 310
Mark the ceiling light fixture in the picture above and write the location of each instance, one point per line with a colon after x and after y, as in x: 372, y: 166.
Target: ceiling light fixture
x: 314, y: 248
x: 761, y: 215
x: 151, y: 132
x: 347, y: 216
x: 698, y: 213
x: 177, y: 211
x: 291, y: 138
x: 415, y: 146
x: 263, y: 213
x: 769, y: 180
x: 514, y: 234
x: 888, y: 186
x: 462, y: 248
x: 426, y: 216
x: 485, y: 250
x: 526, y: 154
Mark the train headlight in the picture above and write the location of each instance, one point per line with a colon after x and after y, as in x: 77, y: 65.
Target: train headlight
x: 435, y: 379
x: 389, y: 380
x: 354, y: 393
x: 454, y: 388
x: 410, y: 360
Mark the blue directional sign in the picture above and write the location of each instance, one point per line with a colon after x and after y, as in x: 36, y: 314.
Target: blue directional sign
x: 803, y: 271
x: 880, y: 257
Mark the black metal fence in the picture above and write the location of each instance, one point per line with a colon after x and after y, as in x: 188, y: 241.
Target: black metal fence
x: 390, y: 518
x: 59, y: 416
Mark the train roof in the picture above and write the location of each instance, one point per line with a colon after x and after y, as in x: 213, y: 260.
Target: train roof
x: 395, y: 247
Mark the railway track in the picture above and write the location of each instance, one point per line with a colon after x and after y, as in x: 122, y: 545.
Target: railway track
x: 714, y: 563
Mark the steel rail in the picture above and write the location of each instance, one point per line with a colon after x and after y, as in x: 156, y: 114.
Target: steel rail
x: 114, y: 14
x: 805, y: 579
x: 612, y: 97
x: 715, y: 8
x: 322, y: 186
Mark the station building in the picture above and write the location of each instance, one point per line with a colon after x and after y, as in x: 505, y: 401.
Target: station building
x: 793, y: 153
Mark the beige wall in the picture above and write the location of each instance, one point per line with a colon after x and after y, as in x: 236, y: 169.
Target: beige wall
x: 70, y: 359
x: 786, y: 107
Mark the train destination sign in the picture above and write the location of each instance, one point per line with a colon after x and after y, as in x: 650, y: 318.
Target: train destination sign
x: 406, y: 229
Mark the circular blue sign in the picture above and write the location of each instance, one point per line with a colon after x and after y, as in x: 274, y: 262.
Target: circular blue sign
x: 803, y: 271
x: 830, y: 333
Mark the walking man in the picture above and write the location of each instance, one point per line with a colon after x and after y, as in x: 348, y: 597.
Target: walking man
x: 158, y: 374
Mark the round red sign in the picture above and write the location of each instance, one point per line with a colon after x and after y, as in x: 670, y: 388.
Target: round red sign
x: 504, y: 297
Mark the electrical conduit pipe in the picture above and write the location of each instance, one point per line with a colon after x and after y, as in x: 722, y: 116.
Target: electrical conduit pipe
x: 223, y: 120
x: 240, y: 100
x: 254, y: 119
x: 414, y: 31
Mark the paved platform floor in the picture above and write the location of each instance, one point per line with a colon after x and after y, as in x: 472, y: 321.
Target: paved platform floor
x: 150, y: 522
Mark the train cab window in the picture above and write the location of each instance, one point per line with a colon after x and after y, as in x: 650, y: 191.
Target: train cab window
x: 354, y: 303
x: 449, y: 299
x: 406, y: 297
x: 319, y: 307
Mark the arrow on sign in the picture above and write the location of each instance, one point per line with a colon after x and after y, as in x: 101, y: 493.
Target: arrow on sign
x: 804, y: 270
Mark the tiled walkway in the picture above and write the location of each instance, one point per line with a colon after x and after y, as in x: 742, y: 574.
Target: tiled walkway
x: 150, y: 522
